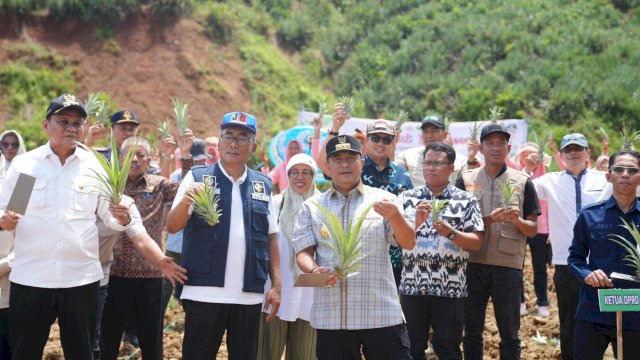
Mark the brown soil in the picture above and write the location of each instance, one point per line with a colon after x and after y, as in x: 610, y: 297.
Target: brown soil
x: 548, y: 327
x: 148, y: 61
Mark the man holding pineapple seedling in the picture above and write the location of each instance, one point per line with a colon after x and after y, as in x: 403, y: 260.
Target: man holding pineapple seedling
x: 229, y: 246
x: 433, y: 287
x: 56, y: 269
x: 606, y: 234
x: 510, y: 208
x: 338, y: 233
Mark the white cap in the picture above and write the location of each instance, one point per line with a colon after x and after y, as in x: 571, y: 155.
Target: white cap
x: 302, y: 159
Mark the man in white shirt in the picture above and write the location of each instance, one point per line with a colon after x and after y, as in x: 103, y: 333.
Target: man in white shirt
x: 228, y: 263
x: 56, y: 270
x: 566, y: 193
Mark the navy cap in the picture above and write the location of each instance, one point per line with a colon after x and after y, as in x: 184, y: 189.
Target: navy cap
x: 242, y: 119
x: 343, y: 143
x: 433, y: 120
x: 574, y: 138
x: 124, y: 116
x: 66, y: 101
x: 493, y: 128
x: 198, y: 150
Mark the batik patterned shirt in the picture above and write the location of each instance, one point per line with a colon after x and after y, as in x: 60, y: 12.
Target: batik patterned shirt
x: 437, y: 266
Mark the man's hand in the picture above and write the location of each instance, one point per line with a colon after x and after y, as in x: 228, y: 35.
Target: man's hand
x: 185, y: 142
x: 172, y: 271
x: 598, y: 279
x: 331, y: 280
x: 442, y: 227
x: 339, y: 117
x: 473, y: 146
x: 272, y: 300
x: 168, y: 146
x: 387, y: 209
x: 423, y: 210
x: 121, y: 214
x: 9, y: 220
x: 512, y: 214
x: 94, y: 132
x: 191, y: 190
x: 499, y: 215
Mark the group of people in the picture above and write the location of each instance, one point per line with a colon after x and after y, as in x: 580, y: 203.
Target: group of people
x: 438, y: 240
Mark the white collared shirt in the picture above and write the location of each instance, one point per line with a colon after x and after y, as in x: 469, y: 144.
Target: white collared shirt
x: 232, y: 292
x: 56, y: 241
x: 559, y: 190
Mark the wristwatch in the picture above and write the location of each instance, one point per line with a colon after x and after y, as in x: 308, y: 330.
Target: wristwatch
x: 333, y: 133
x: 472, y: 162
x: 452, y: 235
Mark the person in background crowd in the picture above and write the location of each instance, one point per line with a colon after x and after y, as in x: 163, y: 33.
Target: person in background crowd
x: 343, y: 328
x: 12, y: 145
x: 496, y: 269
x: 566, y: 192
x: 56, y: 269
x: 602, y: 163
x: 228, y: 263
x: 291, y: 327
x: 433, y: 287
x: 539, y: 244
x: 212, y: 149
x: 362, y: 138
x: 592, y: 238
x: 198, y: 156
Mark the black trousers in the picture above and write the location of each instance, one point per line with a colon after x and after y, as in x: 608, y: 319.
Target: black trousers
x: 205, y: 324
x: 33, y: 310
x: 568, y: 293
x: 137, y: 301
x: 5, y: 347
x: 388, y: 343
x: 592, y: 341
x: 444, y: 315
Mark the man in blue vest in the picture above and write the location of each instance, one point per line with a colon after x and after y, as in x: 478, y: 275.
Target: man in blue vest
x: 228, y: 263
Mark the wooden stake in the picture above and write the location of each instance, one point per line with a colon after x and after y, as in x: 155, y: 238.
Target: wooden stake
x: 619, y: 333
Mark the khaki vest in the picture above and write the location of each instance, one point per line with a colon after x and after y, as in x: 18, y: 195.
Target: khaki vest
x: 504, y: 244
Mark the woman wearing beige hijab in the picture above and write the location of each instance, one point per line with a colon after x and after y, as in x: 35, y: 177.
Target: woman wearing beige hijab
x: 291, y: 327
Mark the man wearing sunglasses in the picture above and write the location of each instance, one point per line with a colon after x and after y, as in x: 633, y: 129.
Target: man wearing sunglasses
x: 592, y: 239
x: 566, y: 193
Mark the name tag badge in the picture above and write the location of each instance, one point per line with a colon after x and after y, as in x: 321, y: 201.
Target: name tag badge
x: 259, y: 191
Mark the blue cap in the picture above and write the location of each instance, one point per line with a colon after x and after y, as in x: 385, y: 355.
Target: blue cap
x: 574, y: 138
x: 242, y: 119
x: 124, y: 116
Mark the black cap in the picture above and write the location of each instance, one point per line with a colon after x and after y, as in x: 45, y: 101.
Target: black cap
x: 433, y: 119
x: 66, y: 101
x: 197, y: 150
x: 124, y: 116
x: 493, y: 128
x: 343, y: 143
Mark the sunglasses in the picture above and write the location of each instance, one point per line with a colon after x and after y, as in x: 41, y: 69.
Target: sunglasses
x: 387, y: 140
x: 6, y: 145
x: 620, y: 170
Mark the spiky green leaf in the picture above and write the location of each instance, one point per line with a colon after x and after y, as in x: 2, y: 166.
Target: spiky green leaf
x: 349, y: 105
x: 205, y: 205
x: 181, y: 112
x: 495, y: 114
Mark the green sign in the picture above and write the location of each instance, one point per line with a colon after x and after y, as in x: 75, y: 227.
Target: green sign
x: 612, y: 300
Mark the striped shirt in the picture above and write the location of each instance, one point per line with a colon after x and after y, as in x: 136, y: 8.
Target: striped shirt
x: 369, y: 299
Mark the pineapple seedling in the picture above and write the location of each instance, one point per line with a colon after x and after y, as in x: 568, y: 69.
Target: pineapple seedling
x: 115, y: 176
x: 633, y: 252
x: 541, y: 142
x: 402, y: 117
x: 165, y: 128
x: 475, y: 129
x: 92, y: 104
x: 508, y: 192
x: 437, y: 208
x: 629, y: 137
x: 205, y: 204
x: 345, y: 244
x: 495, y: 114
x: 181, y: 111
x: 322, y: 108
x: 102, y: 115
x: 349, y: 106
x: 153, y: 142
x: 539, y: 339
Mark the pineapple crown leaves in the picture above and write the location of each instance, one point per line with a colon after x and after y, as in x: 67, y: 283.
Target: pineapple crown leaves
x: 181, y: 112
x: 508, y: 191
x: 495, y: 114
x: 153, y: 141
x: 349, y: 105
x: 437, y: 208
x: 475, y: 129
x: 541, y: 142
x: 165, y: 128
x: 402, y: 117
x: 205, y: 204
x: 114, y: 177
x: 633, y: 252
x: 92, y: 104
x: 322, y: 108
x: 346, y: 245
x: 629, y: 137
x: 102, y: 114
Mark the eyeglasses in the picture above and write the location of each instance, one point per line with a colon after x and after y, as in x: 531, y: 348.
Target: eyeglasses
x: 387, y: 140
x: 6, y: 145
x: 240, y: 140
x: 305, y: 173
x: 435, y: 163
x: 620, y: 169
x: 572, y: 149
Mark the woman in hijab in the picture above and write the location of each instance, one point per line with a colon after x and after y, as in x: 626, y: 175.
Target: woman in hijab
x: 278, y: 175
x: 12, y: 146
x: 291, y: 327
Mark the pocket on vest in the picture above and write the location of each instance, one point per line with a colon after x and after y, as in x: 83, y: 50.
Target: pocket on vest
x: 262, y: 268
x: 260, y: 220
x: 509, y: 243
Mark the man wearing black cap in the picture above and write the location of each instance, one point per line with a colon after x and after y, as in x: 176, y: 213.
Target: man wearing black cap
x: 56, y: 269
x: 371, y: 316
x: 496, y: 269
x: 433, y: 130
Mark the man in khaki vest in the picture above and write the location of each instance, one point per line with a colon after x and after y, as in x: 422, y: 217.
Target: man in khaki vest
x: 496, y: 269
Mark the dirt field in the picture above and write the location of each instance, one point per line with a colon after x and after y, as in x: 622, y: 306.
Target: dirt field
x: 548, y: 327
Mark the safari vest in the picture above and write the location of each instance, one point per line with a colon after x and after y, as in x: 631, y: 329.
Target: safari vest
x: 504, y: 244
x: 204, y: 247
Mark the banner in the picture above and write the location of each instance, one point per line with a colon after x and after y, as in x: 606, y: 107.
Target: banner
x: 278, y: 145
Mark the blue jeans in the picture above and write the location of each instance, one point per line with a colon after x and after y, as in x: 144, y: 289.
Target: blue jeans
x: 502, y: 284
x: 102, y: 297
x: 539, y: 248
